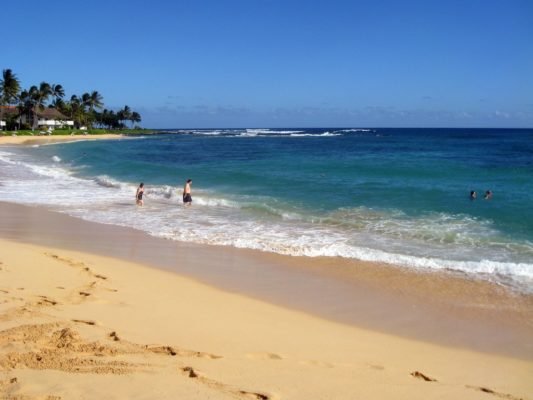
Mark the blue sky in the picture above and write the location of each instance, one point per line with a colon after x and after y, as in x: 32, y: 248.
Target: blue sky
x: 283, y: 63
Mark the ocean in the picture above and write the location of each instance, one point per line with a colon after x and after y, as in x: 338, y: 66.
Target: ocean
x: 398, y: 196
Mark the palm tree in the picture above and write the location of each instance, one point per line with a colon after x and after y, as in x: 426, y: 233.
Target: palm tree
x: 135, y: 117
x: 9, y: 87
x: 24, y: 106
x: 124, y: 114
x: 39, y: 96
x: 85, y: 103
x: 57, y: 91
x: 75, y: 109
x: 59, y: 104
x: 95, y: 100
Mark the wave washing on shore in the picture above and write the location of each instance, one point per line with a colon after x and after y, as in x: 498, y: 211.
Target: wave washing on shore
x: 398, y: 196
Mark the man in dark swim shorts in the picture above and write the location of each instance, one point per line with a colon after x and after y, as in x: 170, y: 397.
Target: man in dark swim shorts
x: 187, y: 199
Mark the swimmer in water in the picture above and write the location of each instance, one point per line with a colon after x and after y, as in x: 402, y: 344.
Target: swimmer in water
x: 187, y: 199
x: 139, y: 195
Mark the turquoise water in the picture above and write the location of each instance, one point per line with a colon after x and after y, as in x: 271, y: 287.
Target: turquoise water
x: 392, y: 195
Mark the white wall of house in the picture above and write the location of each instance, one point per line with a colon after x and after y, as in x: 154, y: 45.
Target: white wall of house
x: 53, y: 122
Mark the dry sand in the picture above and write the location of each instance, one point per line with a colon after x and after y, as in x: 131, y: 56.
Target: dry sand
x: 78, y: 325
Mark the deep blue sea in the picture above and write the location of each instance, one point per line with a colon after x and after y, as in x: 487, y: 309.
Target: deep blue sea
x: 398, y: 196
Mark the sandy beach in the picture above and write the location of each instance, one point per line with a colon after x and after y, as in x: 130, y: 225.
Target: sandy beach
x: 29, y: 140
x: 82, y: 324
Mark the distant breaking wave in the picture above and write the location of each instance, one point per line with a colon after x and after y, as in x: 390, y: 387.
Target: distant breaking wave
x: 258, y: 132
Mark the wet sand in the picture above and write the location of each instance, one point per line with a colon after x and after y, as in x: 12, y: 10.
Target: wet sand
x: 442, y: 308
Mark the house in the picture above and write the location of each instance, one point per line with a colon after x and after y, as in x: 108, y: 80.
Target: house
x: 50, y: 117
x: 5, y: 112
x: 46, y: 117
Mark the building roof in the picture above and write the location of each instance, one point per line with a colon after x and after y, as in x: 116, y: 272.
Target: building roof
x: 49, y: 113
x: 9, y: 110
x: 45, y: 113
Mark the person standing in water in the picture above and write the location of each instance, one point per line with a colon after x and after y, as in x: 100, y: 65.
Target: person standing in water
x: 139, y: 195
x: 488, y: 195
x: 473, y: 195
x: 187, y: 199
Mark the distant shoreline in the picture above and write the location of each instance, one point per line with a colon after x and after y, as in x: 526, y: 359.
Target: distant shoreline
x: 29, y: 140
x: 27, y: 137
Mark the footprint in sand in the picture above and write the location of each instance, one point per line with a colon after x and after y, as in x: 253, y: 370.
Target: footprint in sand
x: 190, y: 372
x: 83, y: 321
x: 254, y: 395
x: 494, y: 393
x: 4, y: 384
x: 171, y: 351
x: 420, y: 375
x: 46, y: 301
x: 318, y: 363
x: 68, y: 261
x: 162, y: 350
x: 264, y: 356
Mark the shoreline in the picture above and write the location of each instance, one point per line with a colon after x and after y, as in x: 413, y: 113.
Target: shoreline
x: 80, y: 324
x: 29, y: 140
x: 436, y: 307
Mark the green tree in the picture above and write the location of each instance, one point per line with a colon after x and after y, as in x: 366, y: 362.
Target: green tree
x: 124, y: 114
x: 25, y: 105
x: 9, y: 87
x: 58, y: 104
x: 75, y: 110
x: 93, y: 101
x: 135, y: 117
x: 57, y: 92
x: 39, y: 96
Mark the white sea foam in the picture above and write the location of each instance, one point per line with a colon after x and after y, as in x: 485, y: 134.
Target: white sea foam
x: 356, y: 130
x: 325, y: 134
x: 270, y: 132
x: 166, y: 192
x: 215, y: 202
x: 208, y: 133
x: 56, y: 159
x: 106, y: 181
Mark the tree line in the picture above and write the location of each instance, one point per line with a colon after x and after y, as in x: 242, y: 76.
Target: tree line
x: 85, y: 110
